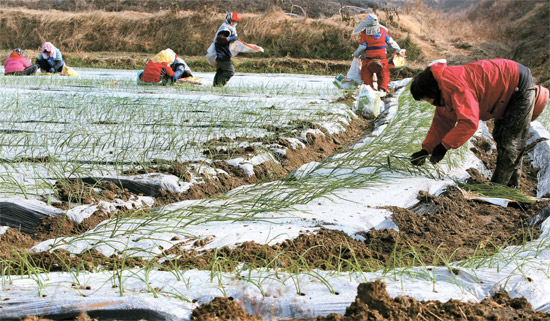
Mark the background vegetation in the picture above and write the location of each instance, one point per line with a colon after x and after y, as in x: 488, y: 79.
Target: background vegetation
x: 513, y: 29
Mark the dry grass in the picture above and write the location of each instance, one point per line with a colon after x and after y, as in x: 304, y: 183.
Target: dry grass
x: 190, y: 33
x: 505, y: 29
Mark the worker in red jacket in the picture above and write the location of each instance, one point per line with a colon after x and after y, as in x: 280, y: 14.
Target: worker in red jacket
x: 497, y: 89
x: 158, y: 68
x: 18, y: 64
x: 373, y: 51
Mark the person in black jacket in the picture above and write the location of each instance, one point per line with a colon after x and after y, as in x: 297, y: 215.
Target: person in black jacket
x: 224, y: 37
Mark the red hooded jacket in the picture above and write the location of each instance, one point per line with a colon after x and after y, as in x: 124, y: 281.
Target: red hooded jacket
x: 469, y: 93
x: 15, y: 63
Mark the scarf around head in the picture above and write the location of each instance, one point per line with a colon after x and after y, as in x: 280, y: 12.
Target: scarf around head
x: 16, y: 55
x: 49, y: 47
x: 167, y: 56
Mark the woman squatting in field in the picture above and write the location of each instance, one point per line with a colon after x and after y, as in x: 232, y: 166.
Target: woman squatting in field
x: 50, y: 58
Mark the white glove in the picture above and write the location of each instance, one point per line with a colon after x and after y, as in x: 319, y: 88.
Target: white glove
x: 402, y: 52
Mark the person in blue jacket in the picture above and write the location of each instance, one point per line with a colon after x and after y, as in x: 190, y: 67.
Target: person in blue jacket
x: 181, y: 69
x: 226, y: 34
x: 50, y: 58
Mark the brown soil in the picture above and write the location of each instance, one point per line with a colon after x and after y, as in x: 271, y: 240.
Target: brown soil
x: 317, y: 148
x: 221, y: 309
x: 374, y: 303
x: 454, y: 227
x: 73, y: 190
x: 77, y: 191
x: 447, y: 226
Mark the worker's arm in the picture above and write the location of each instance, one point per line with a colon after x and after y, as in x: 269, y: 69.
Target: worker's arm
x: 169, y: 71
x: 223, y: 38
x: 442, y: 122
x: 392, y: 43
x: 360, y: 50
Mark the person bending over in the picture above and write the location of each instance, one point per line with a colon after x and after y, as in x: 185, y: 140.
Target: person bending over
x: 498, y: 89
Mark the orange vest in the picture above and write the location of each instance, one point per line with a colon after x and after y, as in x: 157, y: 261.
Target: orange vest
x: 376, y: 44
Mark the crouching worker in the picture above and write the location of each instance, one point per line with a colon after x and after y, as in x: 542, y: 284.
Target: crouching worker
x: 17, y: 64
x: 372, y: 50
x: 50, y: 59
x: 181, y: 69
x: 497, y: 89
x: 158, y: 68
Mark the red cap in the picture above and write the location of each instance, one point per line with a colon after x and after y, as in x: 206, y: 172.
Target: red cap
x: 235, y: 17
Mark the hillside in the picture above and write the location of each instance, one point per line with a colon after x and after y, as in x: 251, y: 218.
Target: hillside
x: 312, y: 8
x: 190, y: 32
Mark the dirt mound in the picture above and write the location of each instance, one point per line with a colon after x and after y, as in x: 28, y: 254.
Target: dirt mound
x: 221, y: 309
x: 318, y: 147
x: 374, y: 303
x: 451, y: 225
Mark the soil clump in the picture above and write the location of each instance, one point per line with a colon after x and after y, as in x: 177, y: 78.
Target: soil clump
x: 374, y: 303
x: 221, y: 309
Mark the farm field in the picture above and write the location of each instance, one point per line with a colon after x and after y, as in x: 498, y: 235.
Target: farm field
x: 305, y: 201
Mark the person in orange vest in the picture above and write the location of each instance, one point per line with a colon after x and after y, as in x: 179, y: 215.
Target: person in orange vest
x: 498, y: 89
x: 226, y: 34
x: 17, y: 64
x: 373, y: 51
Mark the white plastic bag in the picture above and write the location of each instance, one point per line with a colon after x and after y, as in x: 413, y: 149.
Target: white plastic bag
x: 354, y: 73
x: 240, y: 46
x: 369, y: 102
x: 211, y: 55
x: 235, y: 47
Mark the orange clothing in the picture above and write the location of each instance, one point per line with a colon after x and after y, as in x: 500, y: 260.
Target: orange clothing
x: 153, y: 70
x: 376, y: 44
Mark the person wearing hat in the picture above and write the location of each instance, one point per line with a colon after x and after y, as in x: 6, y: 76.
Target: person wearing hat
x: 498, y: 89
x: 372, y: 49
x: 50, y: 58
x: 158, y: 68
x: 17, y: 64
x: 226, y: 34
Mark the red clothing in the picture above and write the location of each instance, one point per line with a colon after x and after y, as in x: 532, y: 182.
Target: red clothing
x: 383, y: 77
x: 15, y: 63
x: 376, y: 44
x: 152, y: 72
x: 480, y: 90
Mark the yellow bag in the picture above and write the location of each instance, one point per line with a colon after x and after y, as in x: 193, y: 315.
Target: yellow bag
x: 68, y: 71
x: 398, y: 61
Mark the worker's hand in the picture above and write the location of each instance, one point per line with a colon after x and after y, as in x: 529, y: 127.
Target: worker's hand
x: 438, y: 153
x: 233, y: 38
x: 51, y: 61
x: 402, y: 52
x: 419, y: 157
x: 174, y: 79
x: 52, y: 69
